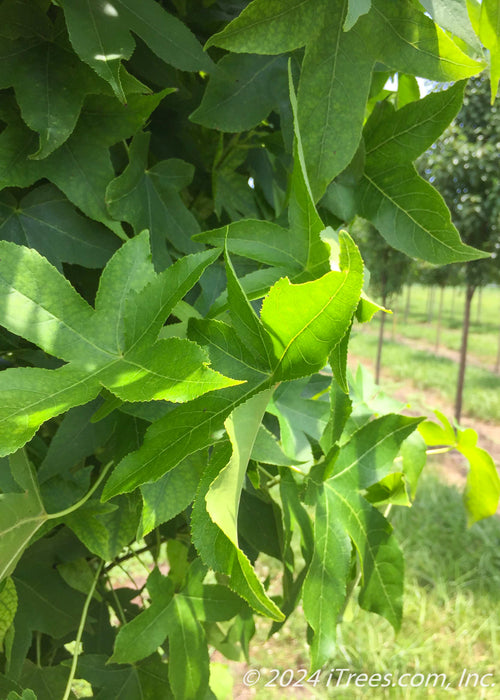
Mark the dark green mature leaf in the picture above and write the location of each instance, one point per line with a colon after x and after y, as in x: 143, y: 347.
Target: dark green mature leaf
x: 101, y: 36
x: 172, y: 493
x: 271, y: 27
x: 107, y: 346
x: 81, y: 167
x: 409, y: 212
x: 45, y: 220
x: 242, y: 92
x: 145, y: 679
x: 21, y: 514
x: 44, y: 682
x: 453, y: 16
x: 50, y: 83
x: 148, y: 198
x: 337, y: 60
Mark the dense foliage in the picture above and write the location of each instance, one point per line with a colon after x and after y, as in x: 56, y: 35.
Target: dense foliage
x: 176, y: 298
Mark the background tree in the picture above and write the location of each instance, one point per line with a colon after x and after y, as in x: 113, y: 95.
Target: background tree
x: 388, y: 268
x: 463, y: 165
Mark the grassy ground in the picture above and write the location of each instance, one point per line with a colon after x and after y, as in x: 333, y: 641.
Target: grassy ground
x: 451, y: 618
x: 428, y: 371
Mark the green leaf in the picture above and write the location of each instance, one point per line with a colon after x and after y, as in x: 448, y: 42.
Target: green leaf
x: 242, y: 92
x: 355, y: 9
x: 298, y: 316
x: 106, y: 528
x: 335, y: 81
x: 189, y: 661
x: 21, y: 514
x: 101, y: 36
x: 409, y: 41
x: 246, y: 323
x: 489, y: 33
x: 183, y: 431
x: 340, y: 511
x: 81, y: 167
x: 145, y: 633
x: 453, y: 16
x: 262, y: 241
x: 408, y: 211
x: 148, y: 678
x: 223, y: 496
x: 266, y: 449
x: 26, y: 695
x: 108, y: 346
x: 218, y: 551
x: 482, y: 490
x: 270, y: 27
x: 45, y: 682
x: 45, y: 220
x: 172, y: 493
x: 299, y: 419
x: 325, y: 584
x: 8, y: 607
x: 338, y: 361
x: 148, y: 198
x: 50, y: 83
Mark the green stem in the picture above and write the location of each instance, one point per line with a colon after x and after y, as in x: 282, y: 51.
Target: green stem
x: 80, y: 631
x: 78, y: 504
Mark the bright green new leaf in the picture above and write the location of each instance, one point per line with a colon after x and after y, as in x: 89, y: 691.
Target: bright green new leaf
x: 453, y: 16
x: 8, y: 607
x: 101, y: 35
x: 482, y: 490
x: 242, y: 92
x: 107, y: 346
x: 149, y: 198
x: 410, y: 214
x: 45, y: 220
x: 246, y: 323
x: 306, y: 321
x: 218, y: 551
x: 223, y: 496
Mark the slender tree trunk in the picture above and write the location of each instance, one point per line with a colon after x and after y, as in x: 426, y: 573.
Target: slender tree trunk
x: 378, y: 363
x: 440, y: 316
x: 469, y: 293
x: 408, y: 302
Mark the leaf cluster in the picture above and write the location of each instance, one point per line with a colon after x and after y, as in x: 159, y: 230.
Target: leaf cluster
x: 177, y: 293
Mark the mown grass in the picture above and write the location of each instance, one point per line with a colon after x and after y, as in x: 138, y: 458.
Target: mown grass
x: 428, y: 371
x: 451, y: 611
x: 419, y: 325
